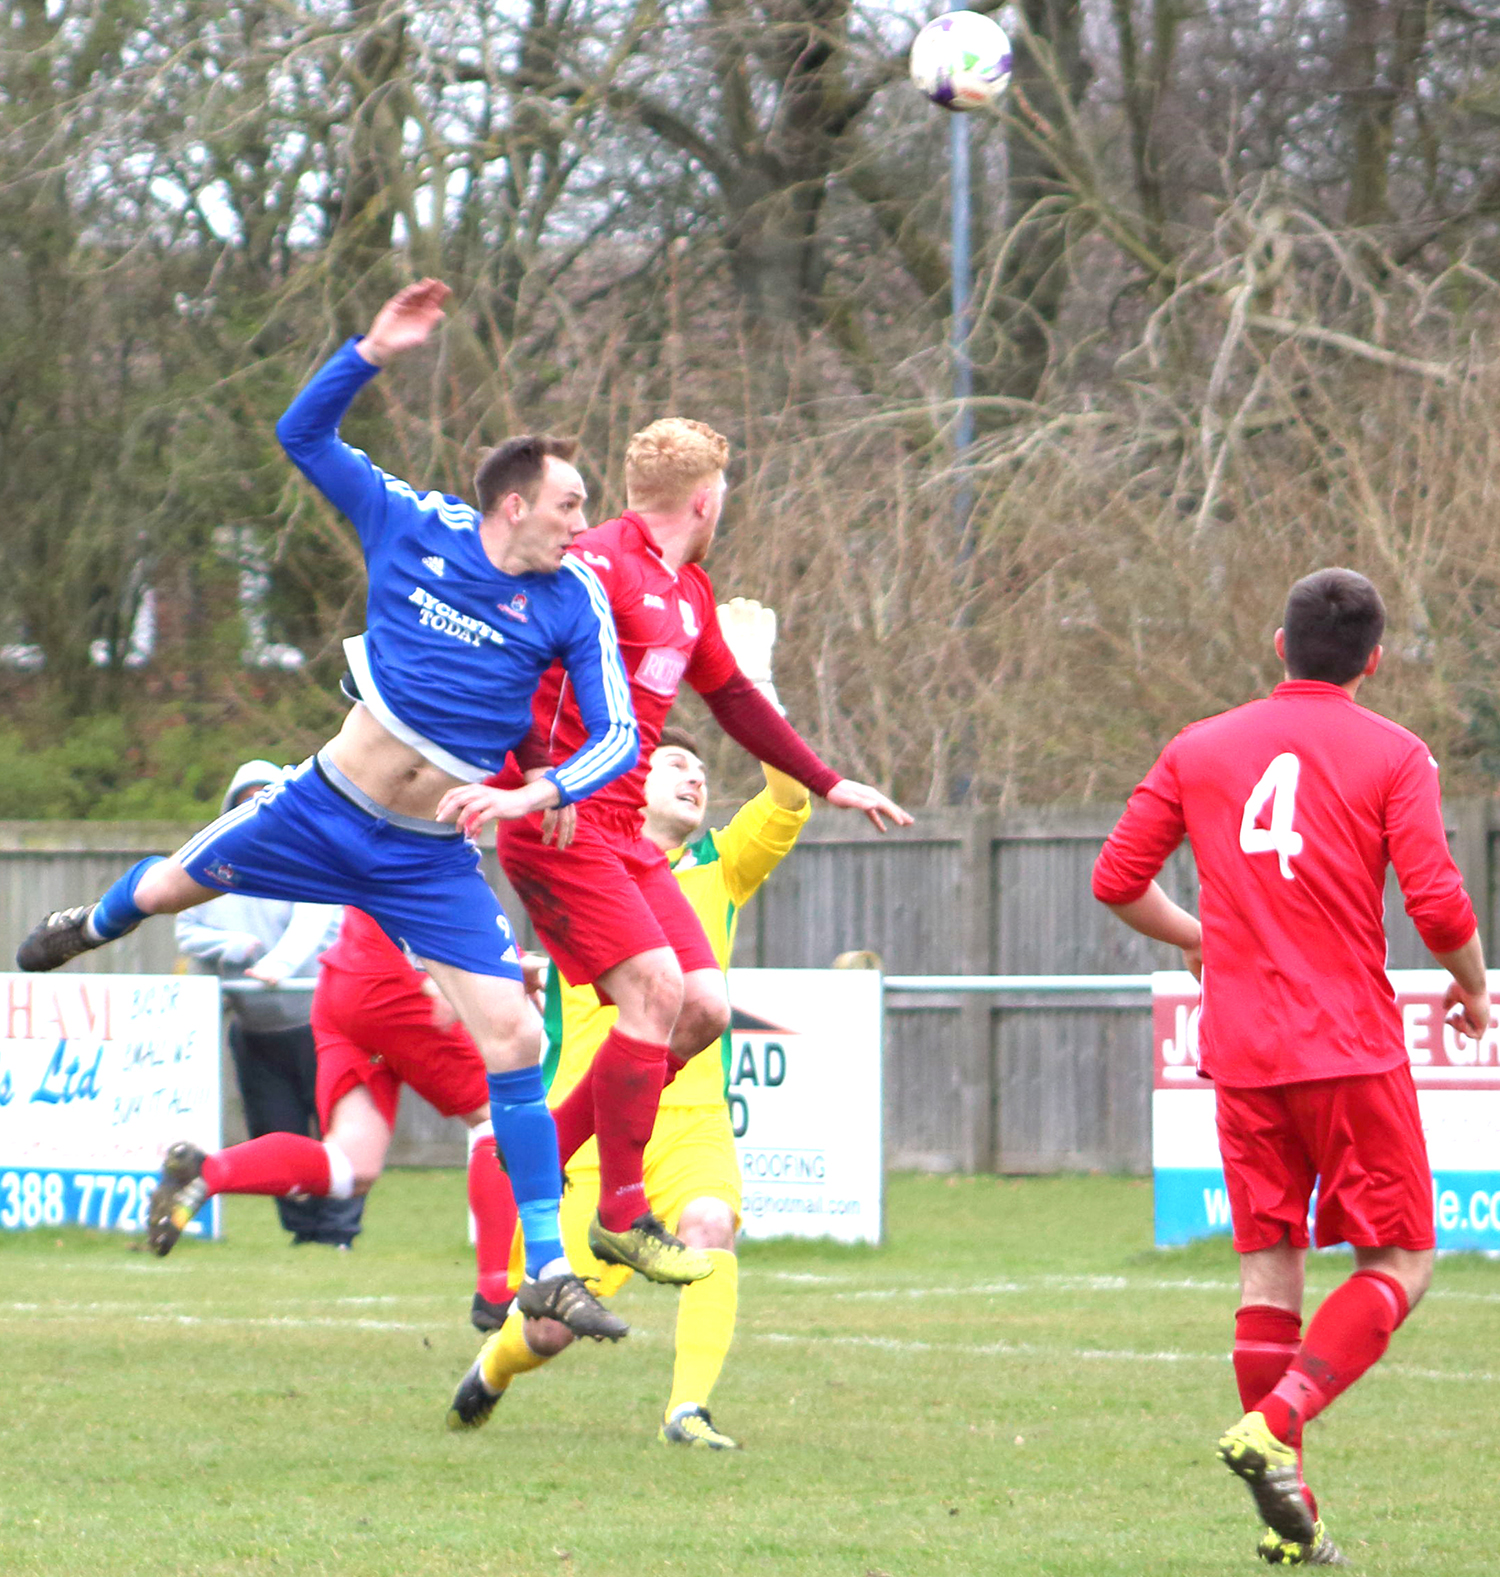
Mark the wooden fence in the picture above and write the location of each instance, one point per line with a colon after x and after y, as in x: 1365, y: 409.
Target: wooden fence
x: 972, y: 1084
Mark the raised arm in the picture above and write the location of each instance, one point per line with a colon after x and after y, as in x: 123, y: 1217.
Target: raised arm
x: 309, y: 429
x: 761, y: 834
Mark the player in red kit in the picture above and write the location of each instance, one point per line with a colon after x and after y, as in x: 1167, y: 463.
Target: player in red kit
x: 607, y: 907
x: 379, y: 1024
x: 1294, y: 806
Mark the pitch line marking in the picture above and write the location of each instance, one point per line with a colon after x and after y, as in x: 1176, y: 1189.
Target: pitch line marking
x: 26, y: 1313
x: 1084, y: 1284
x: 1100, y: 1354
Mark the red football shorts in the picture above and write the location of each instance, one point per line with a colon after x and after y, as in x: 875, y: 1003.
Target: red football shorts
x: 379, y: 1033
x: 1358, y: 1138
x: 608, y: 896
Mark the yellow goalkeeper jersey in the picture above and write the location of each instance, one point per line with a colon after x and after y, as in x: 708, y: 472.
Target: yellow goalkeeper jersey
x: 719, y: 872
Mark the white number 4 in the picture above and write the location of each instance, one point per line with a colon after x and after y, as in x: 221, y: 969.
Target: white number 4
x: 1278, y: 784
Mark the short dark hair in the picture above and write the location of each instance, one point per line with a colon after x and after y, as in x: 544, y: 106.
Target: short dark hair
x: 1334, y: 619
x: 674, y: 738
x: 516, y: 466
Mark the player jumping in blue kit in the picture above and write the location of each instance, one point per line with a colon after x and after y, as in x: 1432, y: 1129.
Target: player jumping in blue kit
x: 466, y: 610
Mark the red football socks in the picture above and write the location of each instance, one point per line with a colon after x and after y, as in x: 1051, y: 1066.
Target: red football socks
x: 494, y: 1209
x: 276, y: 1163
x: 627, y: 1080
x: 1265, y: 1342
x: 574, y: 1116
x: 1349, y: 1333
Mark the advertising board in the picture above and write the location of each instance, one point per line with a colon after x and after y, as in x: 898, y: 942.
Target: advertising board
x: 805, y: 1099
x: 98, y: 1075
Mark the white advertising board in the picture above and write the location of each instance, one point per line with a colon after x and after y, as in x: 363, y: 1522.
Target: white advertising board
x: 98, y: 1075
x: 805, y: 1099
x: 1458, y: 1093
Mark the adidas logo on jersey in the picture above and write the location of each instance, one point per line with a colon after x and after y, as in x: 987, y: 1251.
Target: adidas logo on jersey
x: 651, y: 600
x: 434, y: 563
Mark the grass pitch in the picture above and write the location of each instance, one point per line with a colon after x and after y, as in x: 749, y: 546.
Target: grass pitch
x: 1016, y: 1383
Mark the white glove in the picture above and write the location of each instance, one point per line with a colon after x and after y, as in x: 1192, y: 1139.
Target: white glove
x: 749, y: 629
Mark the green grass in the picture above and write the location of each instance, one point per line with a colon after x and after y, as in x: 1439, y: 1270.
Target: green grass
x: 1016, y: 1383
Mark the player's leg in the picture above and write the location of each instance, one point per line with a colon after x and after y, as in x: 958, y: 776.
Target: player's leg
x: 151, y: 886
x: 346, y: 1162
x: 626, y: 1077
x: 277, y: 1075
x: 700, y: 1012
x: 1268, y: 1322
x: 704, y: 1015
x: 507, y: 1032
x: 1347, y: 1336
x: 593, y: 918
x: 706, y: 1313
x: 693, y: 1181
x: 356, y: 1100
x: 296, y: 840
x: 391, y: 1018
x: 616, y: 1101
x: 492, y: 1205
x: 623, y: 1082
x: 521, y: 1344
x: 1374, y: 1193
x: 1269, y: 1176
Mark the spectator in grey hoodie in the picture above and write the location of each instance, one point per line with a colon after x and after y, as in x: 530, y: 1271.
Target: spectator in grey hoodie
x: 270, y: 1033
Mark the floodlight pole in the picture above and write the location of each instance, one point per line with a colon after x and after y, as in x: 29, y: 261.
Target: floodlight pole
x: 961, y: 285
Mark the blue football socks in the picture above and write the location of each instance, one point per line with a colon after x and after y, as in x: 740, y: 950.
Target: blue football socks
x: 526, y: 1138
x: 116, y: 911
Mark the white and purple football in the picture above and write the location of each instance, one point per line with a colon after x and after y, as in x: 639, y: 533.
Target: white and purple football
x: 961, y: 60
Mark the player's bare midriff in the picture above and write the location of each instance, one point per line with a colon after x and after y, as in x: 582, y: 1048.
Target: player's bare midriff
x: 385, y: 768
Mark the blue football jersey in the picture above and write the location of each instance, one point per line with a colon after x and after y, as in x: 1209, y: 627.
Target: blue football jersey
x: 454, y: 649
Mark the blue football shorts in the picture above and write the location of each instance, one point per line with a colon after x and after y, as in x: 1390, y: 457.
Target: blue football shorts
x: 310, y: 841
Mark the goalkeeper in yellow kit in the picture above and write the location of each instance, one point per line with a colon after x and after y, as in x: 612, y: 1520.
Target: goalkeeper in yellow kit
x: 691, y: 1169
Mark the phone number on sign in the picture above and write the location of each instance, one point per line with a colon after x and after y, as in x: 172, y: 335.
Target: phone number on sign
x: 115, y: 1200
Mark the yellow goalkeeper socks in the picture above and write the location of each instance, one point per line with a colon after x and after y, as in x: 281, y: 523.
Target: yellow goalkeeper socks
x: 505, y: 1354
x: 705, y: 1328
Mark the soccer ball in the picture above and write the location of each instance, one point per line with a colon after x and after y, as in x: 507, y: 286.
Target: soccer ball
x: 961, y: 60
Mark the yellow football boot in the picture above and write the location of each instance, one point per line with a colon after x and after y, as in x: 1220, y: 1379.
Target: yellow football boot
x: 1270, y: 1471
x: 646, y: 1246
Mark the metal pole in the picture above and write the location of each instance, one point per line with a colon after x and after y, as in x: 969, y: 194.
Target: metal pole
x: 959, y: 186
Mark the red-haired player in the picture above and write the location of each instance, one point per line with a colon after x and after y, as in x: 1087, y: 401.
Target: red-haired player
x: 606, y: 906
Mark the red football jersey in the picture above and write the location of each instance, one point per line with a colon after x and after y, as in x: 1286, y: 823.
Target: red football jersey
x: 1295, y: 806
x: 362, y: 948
x: 669, y: 631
